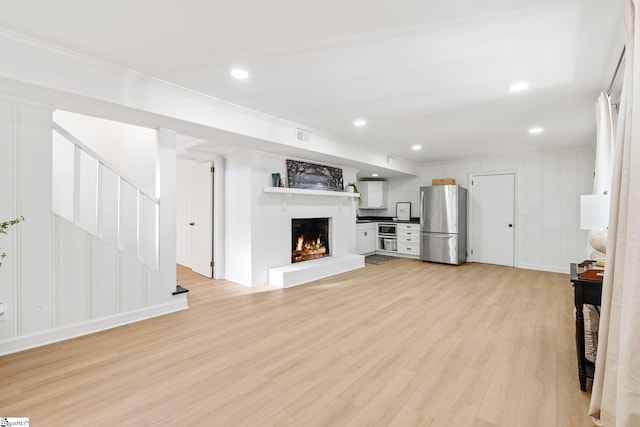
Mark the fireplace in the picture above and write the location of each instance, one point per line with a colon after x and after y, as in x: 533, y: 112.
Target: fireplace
x: 309, y: 239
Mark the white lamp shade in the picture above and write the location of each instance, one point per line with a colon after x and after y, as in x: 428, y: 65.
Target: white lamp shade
x: 594, y: 211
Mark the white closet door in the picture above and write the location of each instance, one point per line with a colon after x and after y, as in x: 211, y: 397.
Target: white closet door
x: 202, y: 219
x: 492, y: 218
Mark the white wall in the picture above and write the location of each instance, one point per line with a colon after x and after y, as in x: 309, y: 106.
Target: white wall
x: 238, y: 214
x: 547, y: 201
x: 60, y: 279
x: 26, y: 282
x: 258, y: 231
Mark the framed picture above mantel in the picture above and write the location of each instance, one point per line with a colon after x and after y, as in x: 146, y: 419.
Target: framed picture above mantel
x: 311, y: 176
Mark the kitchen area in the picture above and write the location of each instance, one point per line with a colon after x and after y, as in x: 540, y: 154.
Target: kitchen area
x: 439, y: 237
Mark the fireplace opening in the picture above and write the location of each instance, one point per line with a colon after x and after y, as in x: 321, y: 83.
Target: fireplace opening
x: 309, y: 239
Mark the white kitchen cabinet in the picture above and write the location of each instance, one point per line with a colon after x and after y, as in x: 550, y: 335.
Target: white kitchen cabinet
x: 373, y: 194
x: 365, y: 238
x: 409, y: 239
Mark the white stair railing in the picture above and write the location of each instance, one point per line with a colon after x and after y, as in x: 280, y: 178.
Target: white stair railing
x: 92, y: 194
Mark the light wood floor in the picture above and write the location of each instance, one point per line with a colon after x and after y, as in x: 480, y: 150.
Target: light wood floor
x: 406, y: 343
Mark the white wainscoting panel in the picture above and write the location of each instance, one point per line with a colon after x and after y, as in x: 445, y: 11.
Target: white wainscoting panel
x: 148, y: 232
x: 105, y: 276
x: 36, y: 264
x: 132, y: 288
x: 156, y: 293
x: 72, y: 273
x: 8, y: 242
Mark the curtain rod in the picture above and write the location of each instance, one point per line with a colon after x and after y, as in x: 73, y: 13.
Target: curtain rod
x: 615, y: 73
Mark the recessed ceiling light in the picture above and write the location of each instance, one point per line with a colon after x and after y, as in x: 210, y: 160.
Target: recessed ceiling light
x: 518, y: 87
x: 416, y: 147
x: 359, y: 123
x: 536, y: 130
x: 239, y: 73
x: 374, y: 175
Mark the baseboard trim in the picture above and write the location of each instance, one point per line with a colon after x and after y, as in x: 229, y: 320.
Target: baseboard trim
x: 17, y: 344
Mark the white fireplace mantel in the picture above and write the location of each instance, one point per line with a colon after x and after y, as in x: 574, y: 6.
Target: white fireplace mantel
x: 286, y: 194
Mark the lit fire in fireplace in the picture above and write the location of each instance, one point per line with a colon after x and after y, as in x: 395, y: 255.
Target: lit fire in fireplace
x: 309, y: 238
x: 308, y: 249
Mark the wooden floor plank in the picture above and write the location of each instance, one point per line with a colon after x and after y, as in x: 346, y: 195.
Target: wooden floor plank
x: 405, y: 343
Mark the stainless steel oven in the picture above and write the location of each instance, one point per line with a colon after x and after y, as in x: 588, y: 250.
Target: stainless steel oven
x: 387, y: 229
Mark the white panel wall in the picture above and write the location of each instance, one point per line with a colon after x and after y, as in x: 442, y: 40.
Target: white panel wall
x: 148, y: 232
x: 73, y: 275
x: 156, y: 294
x: 60, y: 280
x: 8, y: 210
x: 547, y: 201
x: 33, y: 142
x: 132, y: 288
x: 104, y: 279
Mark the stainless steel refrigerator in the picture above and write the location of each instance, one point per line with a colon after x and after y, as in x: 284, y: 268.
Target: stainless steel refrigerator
x: 443, y: 224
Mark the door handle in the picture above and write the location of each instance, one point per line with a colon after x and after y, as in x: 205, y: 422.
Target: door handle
x: 192, y: 224
x: 510, y: 225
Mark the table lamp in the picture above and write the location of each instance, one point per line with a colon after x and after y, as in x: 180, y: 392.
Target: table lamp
x: 594, y: 216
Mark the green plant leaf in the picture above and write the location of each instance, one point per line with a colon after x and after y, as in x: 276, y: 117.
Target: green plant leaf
x: 4, y: 226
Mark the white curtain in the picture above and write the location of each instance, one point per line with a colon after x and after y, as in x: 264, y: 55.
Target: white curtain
x: 604, y: 158
x: 604, y: 146
x: 615, y: 398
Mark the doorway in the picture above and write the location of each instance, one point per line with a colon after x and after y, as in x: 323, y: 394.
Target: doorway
x: 492, y: 214
x: 201, y: 222
x: 195, y: 216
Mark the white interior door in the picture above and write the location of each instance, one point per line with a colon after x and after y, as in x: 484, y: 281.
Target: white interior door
x: 201, y: 223
x: 492, y: 218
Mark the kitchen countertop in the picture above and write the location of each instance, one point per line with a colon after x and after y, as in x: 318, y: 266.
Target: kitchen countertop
x: 368, y: 219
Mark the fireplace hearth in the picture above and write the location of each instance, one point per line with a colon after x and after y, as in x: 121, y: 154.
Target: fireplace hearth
x: 309, y: 239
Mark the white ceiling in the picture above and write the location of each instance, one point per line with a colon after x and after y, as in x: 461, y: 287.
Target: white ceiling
x: 428, y: 72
